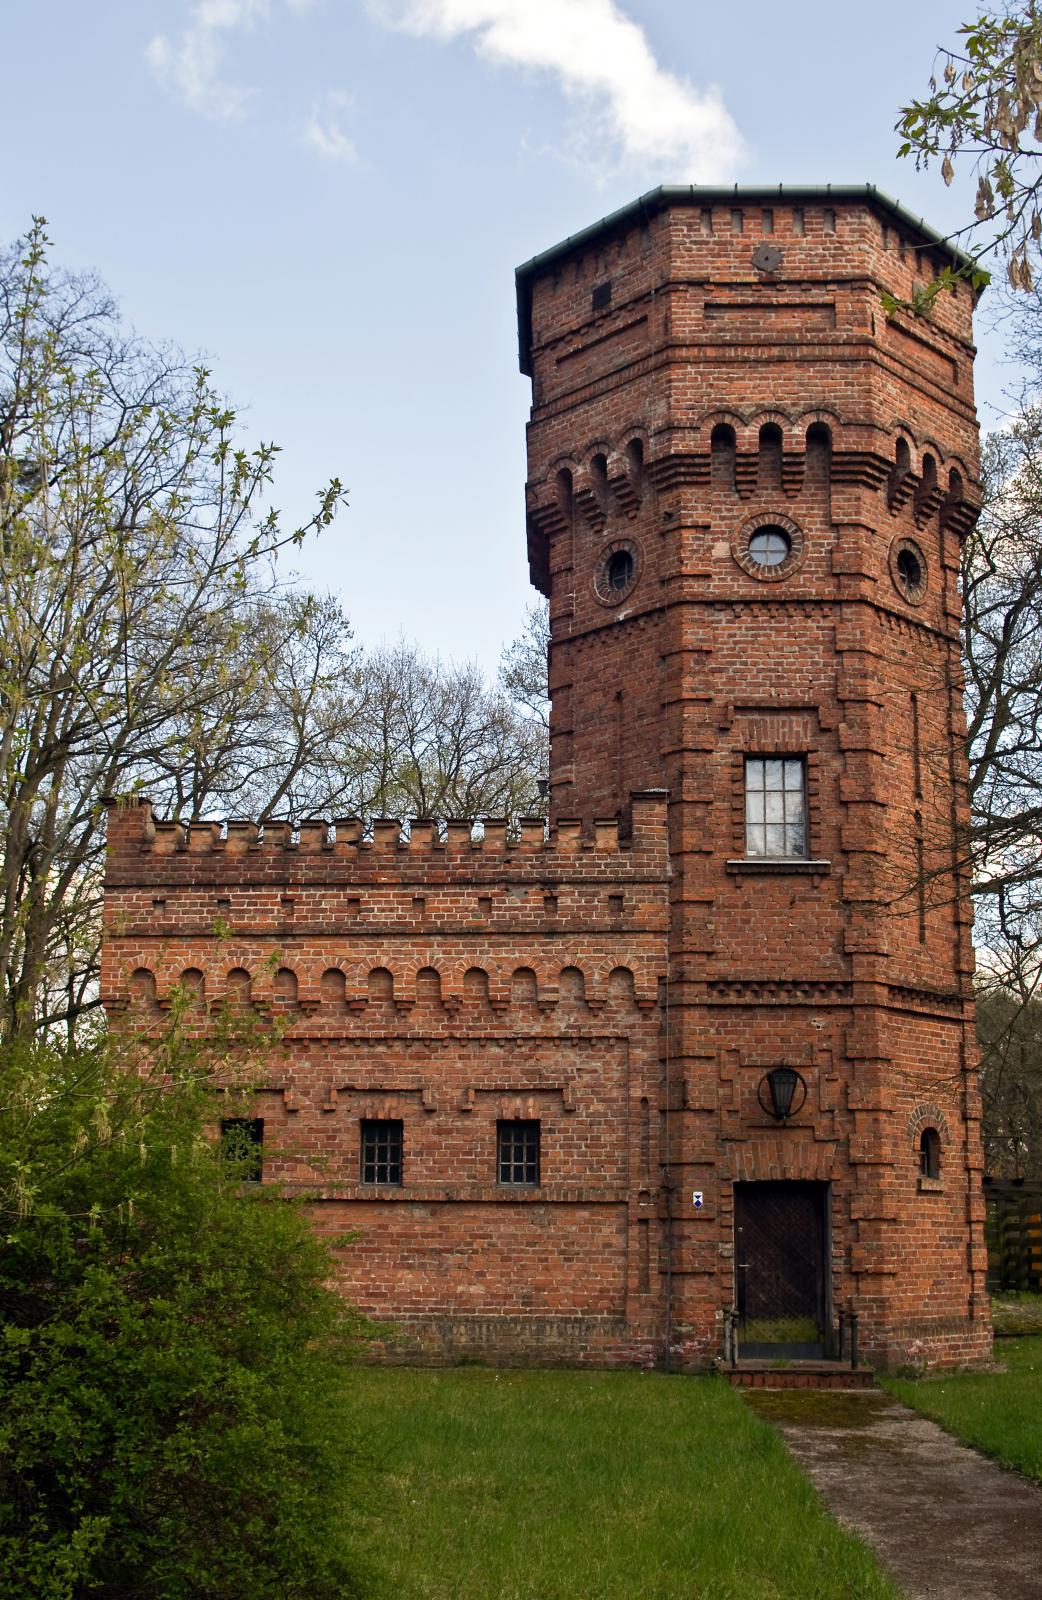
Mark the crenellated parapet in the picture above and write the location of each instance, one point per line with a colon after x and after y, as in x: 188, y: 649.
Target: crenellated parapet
x: 344, y: 850
x: 331, y: 925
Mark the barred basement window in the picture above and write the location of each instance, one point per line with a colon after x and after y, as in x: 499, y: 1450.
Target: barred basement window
x: 518, y: 1152
x: 381, y: 1150
x: 242, y: 1139
x: 775, y: 806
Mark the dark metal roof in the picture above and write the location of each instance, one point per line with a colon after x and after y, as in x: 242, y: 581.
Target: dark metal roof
x: 694, y: 194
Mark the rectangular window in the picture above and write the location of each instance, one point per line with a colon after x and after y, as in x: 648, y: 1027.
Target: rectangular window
x: 242, y: 1139
x: 382, y: 1151
x: 518, y: 1152
x: 775, y: 806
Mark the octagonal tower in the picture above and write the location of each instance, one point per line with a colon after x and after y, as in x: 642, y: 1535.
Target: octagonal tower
x: 747, y: 490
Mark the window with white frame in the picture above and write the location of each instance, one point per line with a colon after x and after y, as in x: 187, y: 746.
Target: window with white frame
x: 775, y: 806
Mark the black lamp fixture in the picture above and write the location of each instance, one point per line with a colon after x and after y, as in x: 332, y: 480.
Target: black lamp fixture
x: 782, y: 1093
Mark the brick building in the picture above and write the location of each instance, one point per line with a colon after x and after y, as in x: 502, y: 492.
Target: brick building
x: 705, y: 1053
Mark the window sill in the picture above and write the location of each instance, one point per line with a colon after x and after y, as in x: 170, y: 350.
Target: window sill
x: 799, y: 864
x: 931, y: 1185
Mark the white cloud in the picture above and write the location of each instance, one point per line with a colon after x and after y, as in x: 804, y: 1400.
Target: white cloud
x: 191, y: 67
x: 630, y: 111
x: 605, y: 65
x: 323, y: 132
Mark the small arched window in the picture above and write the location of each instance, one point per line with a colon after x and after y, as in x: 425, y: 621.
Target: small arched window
x: 599, y: 480
x: 929, y: 1153
x: 563, y: 492
x: 722, y: 446
x: 769, y: 471
x: 635, y: 466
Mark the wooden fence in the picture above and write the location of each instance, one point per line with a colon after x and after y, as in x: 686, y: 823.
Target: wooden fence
x: 1013, y: 1231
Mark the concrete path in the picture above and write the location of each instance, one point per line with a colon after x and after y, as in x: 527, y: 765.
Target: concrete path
x: 947, y: 1522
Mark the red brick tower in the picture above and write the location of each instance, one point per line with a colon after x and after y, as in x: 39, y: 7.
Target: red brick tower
x: 747, y: 488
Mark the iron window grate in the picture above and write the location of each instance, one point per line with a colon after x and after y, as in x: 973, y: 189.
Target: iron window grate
x: 381, y: 1146
x: 518, y: 1152
x: 242, y: 1141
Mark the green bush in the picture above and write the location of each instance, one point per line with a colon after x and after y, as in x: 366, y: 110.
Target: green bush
x: 173, y: 1364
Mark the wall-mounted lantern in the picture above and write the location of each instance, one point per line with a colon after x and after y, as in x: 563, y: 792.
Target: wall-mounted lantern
x: 782, y: 1093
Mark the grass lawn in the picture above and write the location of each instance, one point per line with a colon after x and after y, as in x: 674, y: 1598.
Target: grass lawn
x: 1016, y: 1313
x: 593, y: 1486
x: 999, y: 1412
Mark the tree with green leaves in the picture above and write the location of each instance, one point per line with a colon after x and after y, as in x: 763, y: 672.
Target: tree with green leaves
x: 174, y: 1365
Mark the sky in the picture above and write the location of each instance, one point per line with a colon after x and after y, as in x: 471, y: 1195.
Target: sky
x: 326, y: 199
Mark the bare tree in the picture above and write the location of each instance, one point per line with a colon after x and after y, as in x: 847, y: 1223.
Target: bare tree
x: 146, y: 643
x: 138, y: 609
x: 523, y: 669
x: 430, y: 739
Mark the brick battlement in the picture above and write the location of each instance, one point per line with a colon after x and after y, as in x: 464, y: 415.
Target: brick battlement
x: 326, y: 919
x: 143, y: 847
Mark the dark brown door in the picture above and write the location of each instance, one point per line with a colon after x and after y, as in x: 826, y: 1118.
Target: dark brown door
x: 780, y: 1253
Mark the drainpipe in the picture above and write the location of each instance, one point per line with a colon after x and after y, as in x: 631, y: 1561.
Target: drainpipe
x: 667, y: 1190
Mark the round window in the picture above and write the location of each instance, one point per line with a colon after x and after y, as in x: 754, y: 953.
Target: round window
x: 769, y: 546
x: 617, y: 571
x: 908, y: 570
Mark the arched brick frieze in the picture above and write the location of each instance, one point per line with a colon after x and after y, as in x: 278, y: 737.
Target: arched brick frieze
x: 142, y: 991
x: 901, y: 427
x: 643, y: 979
x: 627, y: 475
x: 379, y: 983
x: 475, y: 986
x: 192, y: 982
x: 333, y: 987
x: 929, y: 492
x: 475, y: 980
x: 620, y: 987
x: 285, y: 989
x: 524, y: 986
x: 709, y: 421
x: 426, y: 985
x: 825, y: 417
x: 776, y: 417
x: 571, y: 986
x: 238, y: 988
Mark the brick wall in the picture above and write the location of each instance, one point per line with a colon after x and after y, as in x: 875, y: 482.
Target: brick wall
x: 630, y: 989
x: 701, y: 397
x: 449, y: 983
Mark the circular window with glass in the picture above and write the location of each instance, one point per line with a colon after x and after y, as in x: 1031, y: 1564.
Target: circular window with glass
x: 908, y: 570
x: 767, y: 546
x: 617, y: 571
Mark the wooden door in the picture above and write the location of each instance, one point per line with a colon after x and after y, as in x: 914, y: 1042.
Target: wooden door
x: 780, y: 1262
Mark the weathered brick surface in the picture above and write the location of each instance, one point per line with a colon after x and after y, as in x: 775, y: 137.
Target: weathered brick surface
x: 632, y: 996
x: 448, y: 985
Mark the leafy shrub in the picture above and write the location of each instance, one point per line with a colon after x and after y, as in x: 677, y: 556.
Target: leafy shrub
x: 173, y: 1363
